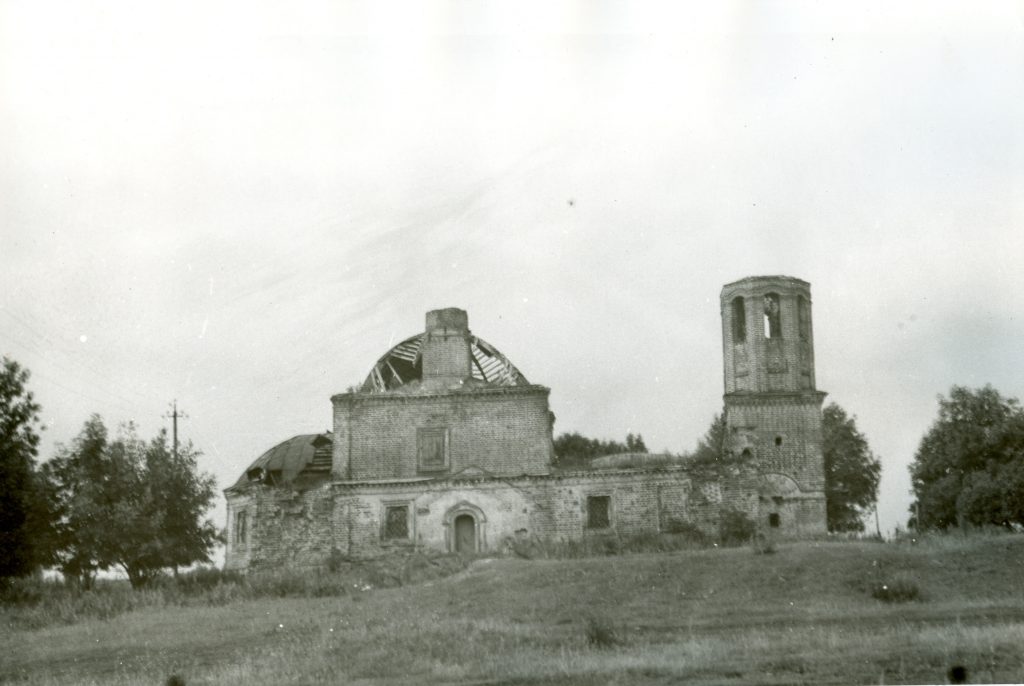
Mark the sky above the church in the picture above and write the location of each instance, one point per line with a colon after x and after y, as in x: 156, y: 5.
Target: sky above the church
x: 241, y: 206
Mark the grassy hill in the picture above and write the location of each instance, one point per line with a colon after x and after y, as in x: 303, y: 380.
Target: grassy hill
x: 841, y: 612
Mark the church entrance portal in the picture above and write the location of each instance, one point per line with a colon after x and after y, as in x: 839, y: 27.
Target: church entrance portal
x: 465, y: 534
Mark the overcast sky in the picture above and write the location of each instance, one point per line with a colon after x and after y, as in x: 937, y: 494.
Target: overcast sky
x: 243, y: 205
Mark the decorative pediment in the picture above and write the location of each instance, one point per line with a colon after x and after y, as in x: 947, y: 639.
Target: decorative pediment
x: 777, y: 485
x: 471, y: 472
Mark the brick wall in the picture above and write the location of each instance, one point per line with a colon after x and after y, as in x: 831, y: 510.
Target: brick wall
x: 288, y: 528
x: 643, y: 502
x: 505, y: 431
x: 297, y: 529
x: 237, y: 549
x: 761, y: 364
x: 783, y: 433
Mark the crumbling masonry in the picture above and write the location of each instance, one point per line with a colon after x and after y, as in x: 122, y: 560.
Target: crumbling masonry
x: 447, y: 446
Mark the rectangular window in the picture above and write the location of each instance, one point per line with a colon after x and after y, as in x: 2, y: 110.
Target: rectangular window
x: 241, y: 524
x: 396, y: 523
x: 432, y: 449
x: 599, y: 511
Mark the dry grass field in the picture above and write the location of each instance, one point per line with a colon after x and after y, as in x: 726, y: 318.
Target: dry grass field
x: 827, y: 612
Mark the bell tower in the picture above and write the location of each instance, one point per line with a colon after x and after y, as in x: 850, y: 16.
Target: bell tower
x: 772, y: 405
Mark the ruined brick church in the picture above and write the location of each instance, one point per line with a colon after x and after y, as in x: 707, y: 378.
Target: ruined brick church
x: 446, y: 446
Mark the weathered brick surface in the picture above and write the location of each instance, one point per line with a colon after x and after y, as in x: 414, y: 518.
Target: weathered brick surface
x: 760, y: 364
x: 772, y: 409
x: 299, y: 529
x: 289, y: 528
x: 782, y: 433
x: 504, y: 431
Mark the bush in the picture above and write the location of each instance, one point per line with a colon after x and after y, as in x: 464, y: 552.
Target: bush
x: 336, y: 560
x: 27, y: 590
x: 762, y: 544
x: 687, y: 531
x: 600, y: 633
x: 896, y: 590
x: 735, y: 527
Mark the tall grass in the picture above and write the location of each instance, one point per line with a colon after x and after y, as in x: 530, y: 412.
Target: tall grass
x: 32, y: 603
x: 805, y: 616
x: 598, y: 545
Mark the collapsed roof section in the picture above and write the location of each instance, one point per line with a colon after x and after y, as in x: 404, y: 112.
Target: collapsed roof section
x: 307, y: 454
x: 403, y: 364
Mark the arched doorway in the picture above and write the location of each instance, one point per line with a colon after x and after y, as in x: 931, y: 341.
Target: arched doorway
x: 465, y: 529
x: 465, y: 534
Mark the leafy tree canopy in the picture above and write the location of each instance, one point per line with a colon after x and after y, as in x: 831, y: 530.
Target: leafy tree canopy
x: 711, y: 449
x: 21, y: 512
x: 969, y: 467
x: 574, y: 449
x: 128, y: 503
x: 852, y: 472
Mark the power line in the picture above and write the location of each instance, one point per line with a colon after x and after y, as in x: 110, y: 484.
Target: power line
x: 174, y: 416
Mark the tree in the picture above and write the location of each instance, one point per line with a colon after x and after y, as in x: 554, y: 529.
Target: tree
x: 575, y: 450
x: 21, y: 512
x: 711, y: 448
x: 79, y: 478
x: 181, y: 496
x: 969, y: 467
x: 635, y: 444
x: 852, y: 472
x: 130, y: 504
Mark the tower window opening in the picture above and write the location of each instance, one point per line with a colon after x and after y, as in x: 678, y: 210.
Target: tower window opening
x: 772, y: 316
x: 803, y: 314
x: 778, y: 440
x: 739, y: 320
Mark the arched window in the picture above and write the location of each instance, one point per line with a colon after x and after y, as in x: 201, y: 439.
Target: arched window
x: 739, y: 321
x: 803, y: 313
x: 772, y: 316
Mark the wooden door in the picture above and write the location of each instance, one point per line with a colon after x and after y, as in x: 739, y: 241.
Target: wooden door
x: 465, y: 534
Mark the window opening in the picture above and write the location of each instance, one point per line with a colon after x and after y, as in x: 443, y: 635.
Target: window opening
x: 739, y: 320
x: 778, y: 440
x: 772, y: 316
x: 773, y: 520
x: 241, y: 526
x: 432, y: 448
x: 599, y: 511
x: 803, y: 314
x: 396, y: 522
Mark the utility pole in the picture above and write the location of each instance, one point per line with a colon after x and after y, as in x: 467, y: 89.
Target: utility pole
x: 174, y: 417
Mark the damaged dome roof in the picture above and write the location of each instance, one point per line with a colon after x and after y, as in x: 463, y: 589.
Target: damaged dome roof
x: 404, y: 364
x: 307, y: 453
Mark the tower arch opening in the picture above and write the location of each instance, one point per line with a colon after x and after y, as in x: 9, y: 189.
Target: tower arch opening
x: 739, y: 320
x: 772, y: 316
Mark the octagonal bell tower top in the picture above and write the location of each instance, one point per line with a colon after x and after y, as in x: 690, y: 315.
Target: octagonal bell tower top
x: 767, y: 335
